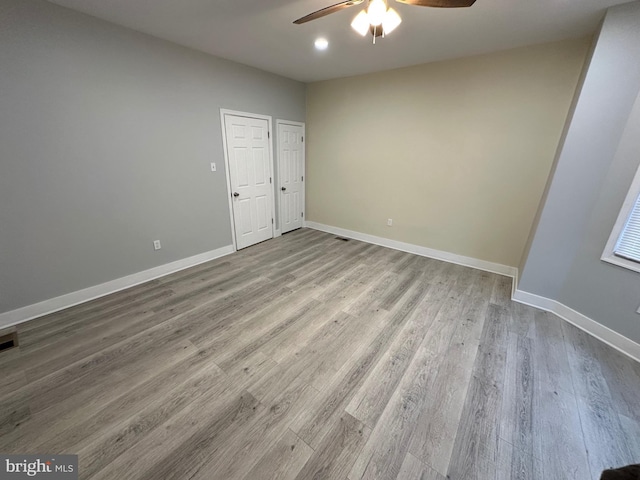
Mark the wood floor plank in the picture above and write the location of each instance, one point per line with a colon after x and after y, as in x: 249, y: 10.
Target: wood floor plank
x: 99, y: 448
x: 605, y: 439
x: 414, y: 469
x: 49, y: 360
x: 252, y: 438
x: 79, y: 403
x: 175, y: 386
x: 407, y: 279
x: 317, y: 419
x: 282, y: 461
x: 38, y: 339
x: 371, y: 295
x: 335, y: 455
x: 551, y: 364
x: 631, y: 428
x: 557, y: 437
x: 522, y: 320
x: 433, y: 437
x: 370, y: 400
x: 61, y: 318
x: 222, y: 334
x: 514, y: 464
x: 310, y: 357
x: 72, y: 387
x: 517, y: 418
x: 183, y: 441
x: 475, y: 452
x: 289, y: 317
x: 384, y: 453
x: 11, y: 381
x: 300, y: 334
x: 501, y: 294
x: 622, y: 376
x: 491, y: 358
x: 304, y: 362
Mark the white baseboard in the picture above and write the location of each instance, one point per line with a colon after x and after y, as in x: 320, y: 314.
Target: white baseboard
x: 593, y: 328
x: 52, y: 305
x: 278, y: 233
x: 418, y: 250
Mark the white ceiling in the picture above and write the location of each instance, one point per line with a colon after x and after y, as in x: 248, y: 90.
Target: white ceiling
x: 260, y: 33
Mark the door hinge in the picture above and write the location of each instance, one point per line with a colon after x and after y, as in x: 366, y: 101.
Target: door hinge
x: 272, y: 221
x: 302, y: 214
x: 268, y: 134
x: 303, y: 178
x: 303, y: 139
x: 270, y: 180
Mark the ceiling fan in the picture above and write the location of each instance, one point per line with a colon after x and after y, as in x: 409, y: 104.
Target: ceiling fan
x: 379, y: 18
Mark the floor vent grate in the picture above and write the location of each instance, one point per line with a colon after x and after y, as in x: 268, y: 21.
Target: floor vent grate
x: 342, y: 238
x: 8, y: 341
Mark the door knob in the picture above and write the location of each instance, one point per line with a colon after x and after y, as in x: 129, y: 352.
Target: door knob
x: 236, y: 194
x: 283, y: 189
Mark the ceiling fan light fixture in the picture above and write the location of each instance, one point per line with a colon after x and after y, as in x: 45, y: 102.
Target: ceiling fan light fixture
x: 391, y: 21
x: 377, y: 11
x: 361, y: 23
x: 321, y: 44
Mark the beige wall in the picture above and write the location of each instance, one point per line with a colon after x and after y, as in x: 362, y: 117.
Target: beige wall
x: 457, y: 153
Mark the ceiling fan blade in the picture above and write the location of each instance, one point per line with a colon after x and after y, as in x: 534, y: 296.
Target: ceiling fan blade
x: 327, y: 10
x: 439, y: 3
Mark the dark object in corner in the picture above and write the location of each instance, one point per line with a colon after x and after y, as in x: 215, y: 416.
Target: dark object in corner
x: 8, y: 340
x: 630, y: 472
x: 342, y: 238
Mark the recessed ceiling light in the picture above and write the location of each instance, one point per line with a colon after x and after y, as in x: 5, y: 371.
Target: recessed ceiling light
x: 321, y: 44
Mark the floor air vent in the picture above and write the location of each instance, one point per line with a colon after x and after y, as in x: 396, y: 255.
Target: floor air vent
x: 8, y: 341
x: 342, y: 238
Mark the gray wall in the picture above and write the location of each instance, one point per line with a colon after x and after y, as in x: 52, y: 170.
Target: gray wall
x: 594, y: 170
x: 106, y: 136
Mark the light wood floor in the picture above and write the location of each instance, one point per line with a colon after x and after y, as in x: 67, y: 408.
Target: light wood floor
x: 307, y: 357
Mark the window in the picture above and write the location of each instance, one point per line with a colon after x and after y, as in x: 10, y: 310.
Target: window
x: 623, y: 247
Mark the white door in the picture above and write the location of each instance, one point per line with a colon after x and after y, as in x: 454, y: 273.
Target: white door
x: 250, y: 178
x: 291, y: 175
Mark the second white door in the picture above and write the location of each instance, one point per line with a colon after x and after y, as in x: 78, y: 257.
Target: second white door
x: 250, y: 178
x: 291, y: 175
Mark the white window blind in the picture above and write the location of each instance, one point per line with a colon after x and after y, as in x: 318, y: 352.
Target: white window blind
x: 628, y: 245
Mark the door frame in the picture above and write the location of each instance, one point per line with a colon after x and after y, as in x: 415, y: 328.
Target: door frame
x: 304, y: 162
x: 268, y: 118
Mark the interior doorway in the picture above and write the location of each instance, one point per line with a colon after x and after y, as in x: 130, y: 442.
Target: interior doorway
x: 291, y: 163
x: 249, y: 166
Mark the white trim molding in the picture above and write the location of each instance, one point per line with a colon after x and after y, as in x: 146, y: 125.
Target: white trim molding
x: 418, y: 250
x: 56, y: 304
x: 608, y: 255
x: 590, y: 326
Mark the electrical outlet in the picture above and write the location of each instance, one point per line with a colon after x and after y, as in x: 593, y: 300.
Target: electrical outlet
x: 390, y: 222
x: 213, y: 167
x: 156, y: 245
